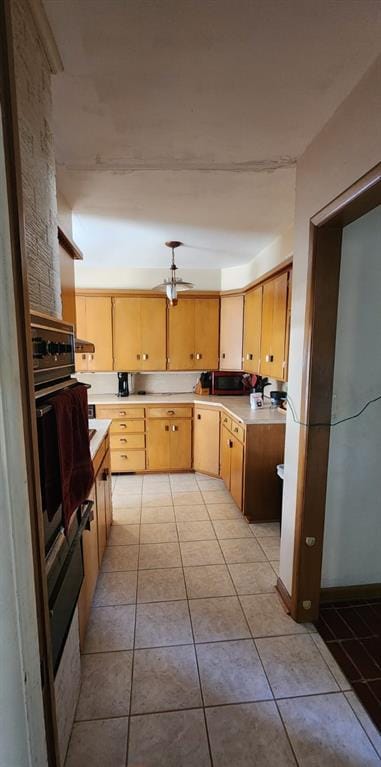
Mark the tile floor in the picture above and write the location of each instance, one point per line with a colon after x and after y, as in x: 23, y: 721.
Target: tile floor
x: 190, y: 659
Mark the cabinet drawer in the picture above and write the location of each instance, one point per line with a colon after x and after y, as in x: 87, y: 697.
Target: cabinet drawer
x: 238, y: 430
x: 169, y: 412
x: 128, y: 460
x: 119, y: 411
x: 226, y: 421
x: 123, y: 426
x: 127, y: 441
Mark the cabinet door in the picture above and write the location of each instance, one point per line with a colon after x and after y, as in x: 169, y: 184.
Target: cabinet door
x: 225, y: 451
x: 158, y: 447
x: 100, y: 490
x: 90, y: 568
x: 206, y: 321
x: 108, y: 490
x: 267, y: 328
x: 236, y: 471
x: 181, y: 335
x: 278, y: 343
x: 180, y: 444
x: 127, y: 334
x: 252, y: 362
x: 206, y: 440
x: 153, y: 317
x: 99, y: 331
x: 81, y: 360
x: 231, y: 329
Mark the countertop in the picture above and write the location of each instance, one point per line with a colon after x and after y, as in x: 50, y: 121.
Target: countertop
x: 101, y: 426
x: 238, y: 407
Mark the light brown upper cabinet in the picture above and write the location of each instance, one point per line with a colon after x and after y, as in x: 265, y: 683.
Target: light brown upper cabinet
x: 139, y: 333
x: 231, y: 326
x: 252, y: 331
x: 193, y: 333
x: 274, y: 327
x: 94, y: 324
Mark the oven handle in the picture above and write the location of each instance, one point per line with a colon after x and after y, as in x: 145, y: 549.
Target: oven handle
x: 87, y: 517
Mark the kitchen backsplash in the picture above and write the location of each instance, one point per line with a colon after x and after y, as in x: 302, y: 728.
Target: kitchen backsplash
x: 152, y: 383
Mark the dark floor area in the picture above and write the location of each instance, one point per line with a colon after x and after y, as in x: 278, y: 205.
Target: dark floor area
x: 352, y: 631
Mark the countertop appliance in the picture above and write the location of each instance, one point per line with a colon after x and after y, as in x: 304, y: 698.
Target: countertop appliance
x: 226, y: 382
x: 123, y: 390
x: 53, y: 363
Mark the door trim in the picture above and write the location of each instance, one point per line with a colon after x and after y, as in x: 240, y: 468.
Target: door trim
x: 326, y: 228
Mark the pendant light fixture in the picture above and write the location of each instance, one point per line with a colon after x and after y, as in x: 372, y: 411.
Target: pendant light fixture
x: 173, y: 285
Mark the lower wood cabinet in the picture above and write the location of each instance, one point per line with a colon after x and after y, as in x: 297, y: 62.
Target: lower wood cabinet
x: 169, y: 444
x: 232, y: 464
x: 206, y: 440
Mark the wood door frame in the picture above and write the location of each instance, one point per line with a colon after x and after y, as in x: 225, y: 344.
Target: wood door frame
x: 318, y: 368
x: 24, y: 350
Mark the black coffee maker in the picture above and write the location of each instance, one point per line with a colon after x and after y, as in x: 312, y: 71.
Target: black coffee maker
x: 123, y: 385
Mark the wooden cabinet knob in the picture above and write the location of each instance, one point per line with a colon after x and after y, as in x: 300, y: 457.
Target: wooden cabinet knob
x: 199, y: 416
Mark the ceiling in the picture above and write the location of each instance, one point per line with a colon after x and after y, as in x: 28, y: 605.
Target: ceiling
x: 183, y: 119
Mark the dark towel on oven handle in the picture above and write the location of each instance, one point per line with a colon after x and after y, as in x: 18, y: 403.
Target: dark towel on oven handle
x: 76, y: 467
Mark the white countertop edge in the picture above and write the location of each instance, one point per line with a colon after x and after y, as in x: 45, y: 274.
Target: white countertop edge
x: 101, y: 426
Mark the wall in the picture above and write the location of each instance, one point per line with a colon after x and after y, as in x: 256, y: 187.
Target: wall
x: 269, y: 258
x: 34, y: 106
x: 144, y: 279
x: 343, y: 151
x: 64, y: 215
x: 352, y: 535
x: 152, y: 383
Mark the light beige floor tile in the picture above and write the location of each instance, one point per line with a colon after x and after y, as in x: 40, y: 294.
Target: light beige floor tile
x: 120, y: 558
x: 162, y: 623
x: 195, y: 531
x: 123, y: 535
x: 163, y: 532
x: 324, y: 730
x: 265, y: 529
x: 155, y: 479
x: 267, y: 617
x: 224, y: 511
x: 161, y: 585
x: 242, y: 550
x: 271, y: 547
x: 122, y: 516
x: 157, y: 515
x: 275, y: 566
x: 253, y: 577
x: 175, y: 475
x: 294, y: 666
x: 164, y: 679
x: 216, y: 496
x: 158, y: 488
x: 110, y: 629
x: 149, y: 501
x: 191, y: 514
x: 217, y: 619
x: 115, y: 589
x: 187, y: 498
x: 207, y: 484
x: 105, y: 685
x: 126, y: 500
x: 208, y: 581
x: 248, y: 734
x: 130, y: 482
x: 231, y: 672
x: 156, y: 555
x: 201, y: 553
x: 333, y: 666
x: 178, y: 737
x: 98, y: 743
x: 184, y: 485
x: 232, y: 528
x: 371, y: 730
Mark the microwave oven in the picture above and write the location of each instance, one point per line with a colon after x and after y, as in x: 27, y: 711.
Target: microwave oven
x: 227, y: 382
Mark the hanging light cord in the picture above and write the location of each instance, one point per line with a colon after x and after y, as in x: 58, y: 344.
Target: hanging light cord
x: 331, y: 423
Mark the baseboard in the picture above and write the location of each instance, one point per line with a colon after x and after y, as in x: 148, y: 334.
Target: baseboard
x: 348, y: 593
x: 284, y: 595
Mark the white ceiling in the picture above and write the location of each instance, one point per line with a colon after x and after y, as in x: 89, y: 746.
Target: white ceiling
x: 184, y: 118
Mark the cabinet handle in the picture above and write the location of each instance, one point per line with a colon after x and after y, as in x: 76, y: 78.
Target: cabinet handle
x: 122, y: 439
x: 223, y: 355
x: 144, y: 356
x: 225, y: 420
x: 230, y: 443
x: 198, y: 356
x: 249, y: 356
x: 170, y: 412
x: 199, y: 416
x: 175, y: 428
x: 122, y: 412
x: 269, y: 358
x: 123, y: 425
x: 83, y: 356
x: 191, y: 356
x: 235, y: 429
x: 124, y: 456
x: 105, y: 475
x: 166, y: 427
x: 138, y: 356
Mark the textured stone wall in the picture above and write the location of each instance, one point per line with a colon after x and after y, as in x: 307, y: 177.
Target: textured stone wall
x: 34, y: 104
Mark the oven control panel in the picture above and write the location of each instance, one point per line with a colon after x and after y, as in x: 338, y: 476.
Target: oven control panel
x: 52, y: 348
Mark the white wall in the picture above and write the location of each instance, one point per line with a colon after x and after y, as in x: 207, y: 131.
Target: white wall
x: 144, y: 279
x: 269, y: 258
x: 352, y: 535
x: 346, y: 148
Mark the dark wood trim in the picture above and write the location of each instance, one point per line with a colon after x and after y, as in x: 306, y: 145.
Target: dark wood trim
x: 284, y: 595
x: 347, y: 593
x: 20, y: 288
x: 318, y: 368
x: 67, y: 244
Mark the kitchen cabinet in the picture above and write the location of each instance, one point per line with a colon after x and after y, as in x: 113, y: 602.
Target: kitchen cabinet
x: 169, y: 444
x: 139, y: 325
x: 252, y: 331
x: 274, y: 327
x: 193, y: 334
x: 232, y: 464
x: 231, y: 331
x: 206, y: 440
x: 103, y: 501
x: 94, y: 324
